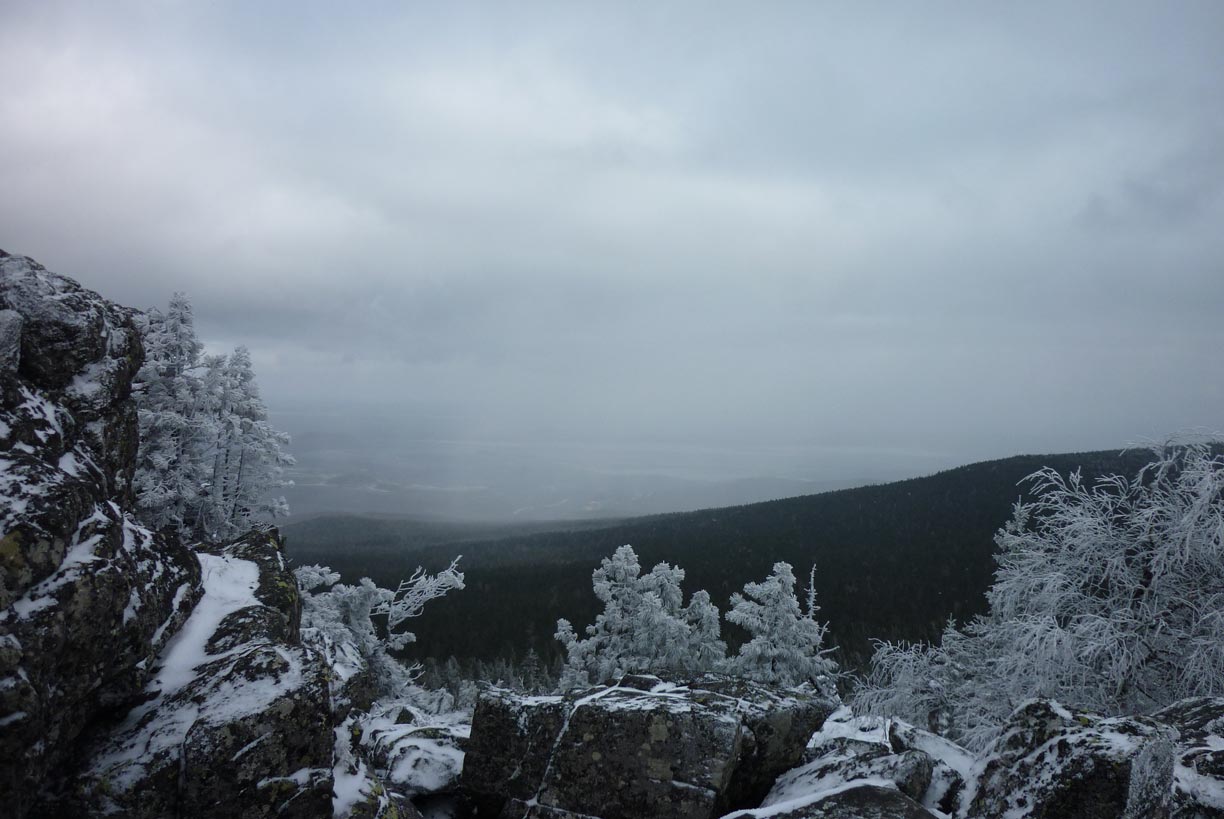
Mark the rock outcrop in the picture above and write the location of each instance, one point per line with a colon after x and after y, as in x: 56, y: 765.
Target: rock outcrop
x: 1052, y: 762
x: 138, y: 677
x: 238, y: 718
x: 868, y: 767
x: 1197, y: 758
x: 642, y: 747
x: 414, y: 753
x: 87, y: 596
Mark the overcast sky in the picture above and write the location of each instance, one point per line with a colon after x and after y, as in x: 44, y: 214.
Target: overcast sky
x: 967, y: 229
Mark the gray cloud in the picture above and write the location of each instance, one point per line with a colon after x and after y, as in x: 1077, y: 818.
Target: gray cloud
x: 966, y: 230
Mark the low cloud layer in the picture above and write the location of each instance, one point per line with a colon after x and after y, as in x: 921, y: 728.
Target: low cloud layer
x: 942, y: 228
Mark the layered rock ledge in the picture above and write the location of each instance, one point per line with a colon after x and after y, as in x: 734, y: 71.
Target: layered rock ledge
x: 642, y: 747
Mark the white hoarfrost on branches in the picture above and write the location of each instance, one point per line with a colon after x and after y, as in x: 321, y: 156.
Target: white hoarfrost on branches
x: 644, y: 625
x: 337, y: 620
x: 412, y: 595
x: 787, y: 645
x: 248, y: 455
x: 1109, y: 596
x: 176, y: 419
x: 209, y: 460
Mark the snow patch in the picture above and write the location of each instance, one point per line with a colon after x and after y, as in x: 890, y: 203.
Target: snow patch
x: 786, y: 801
x: 229, y: 586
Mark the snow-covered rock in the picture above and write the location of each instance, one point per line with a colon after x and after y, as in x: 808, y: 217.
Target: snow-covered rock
x: 87, y: 596
x: 642, y: 747
x: 413, y: 752
x: 952, y: 765
x: 846, y: 761
x: 866, y: 767
x: 1197, y: 757
x: 858, y: 799
x: 1054, y: 762
x: 237, y: 720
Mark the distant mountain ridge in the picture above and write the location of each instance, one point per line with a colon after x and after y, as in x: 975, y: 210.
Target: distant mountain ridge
x: 893, y: 560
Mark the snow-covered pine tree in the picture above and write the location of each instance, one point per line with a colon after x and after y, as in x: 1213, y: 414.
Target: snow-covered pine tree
x: 175, y: 419
x: 1108, y: 596
x: 208, y: 458
x: 248, y: 456
x: 787, y: 643
x: 531, y: 671
x: 644, y: 625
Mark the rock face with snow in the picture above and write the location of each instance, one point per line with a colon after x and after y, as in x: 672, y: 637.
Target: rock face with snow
x: 1197, y: 758
x: 642, y: 747
x: 868, y: 767
x: 237, y: 720
x: 857, y: 800
x: 87, y: 597
x: 412, y: 752
x: 1052, y: 762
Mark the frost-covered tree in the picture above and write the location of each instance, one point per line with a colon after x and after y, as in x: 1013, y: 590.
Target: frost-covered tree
x: 175, y: 419
x: 644, y: 626
x: 787, y: 641
x: 208, y: 460
x: 338, y: 620
x: 1108, y: 596
x: 248, y: 456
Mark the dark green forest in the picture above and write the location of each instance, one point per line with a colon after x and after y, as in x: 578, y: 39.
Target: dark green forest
x: 893, y: 561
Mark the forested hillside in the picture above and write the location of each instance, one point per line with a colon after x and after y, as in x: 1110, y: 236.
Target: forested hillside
x: 893, y: 560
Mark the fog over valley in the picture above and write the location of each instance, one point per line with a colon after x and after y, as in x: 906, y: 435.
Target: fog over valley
x: 829, y: 244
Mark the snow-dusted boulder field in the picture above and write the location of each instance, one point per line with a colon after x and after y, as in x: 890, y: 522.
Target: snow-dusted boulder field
x: 1198, y: 757
x: 643, y: 747
x: 88, y: 598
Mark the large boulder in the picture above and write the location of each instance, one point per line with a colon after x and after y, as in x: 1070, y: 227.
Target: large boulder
x: 88, y: 598
x: 866, y: 767
x: 1198, y: 757
x: 1052, y: 762
x: 237, y: 720
x: 414, y: 753
x: 847, y: 760
x: 642, y: 747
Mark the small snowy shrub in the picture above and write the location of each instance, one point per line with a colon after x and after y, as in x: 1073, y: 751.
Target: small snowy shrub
x: 787, y: 645
x: 644, y: 625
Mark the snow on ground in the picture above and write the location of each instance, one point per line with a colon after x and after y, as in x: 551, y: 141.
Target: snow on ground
x: 843, y: 724
x: 422, y: 754
x: 161, y: 724
x: 783, y: 800
x: 229, y: 585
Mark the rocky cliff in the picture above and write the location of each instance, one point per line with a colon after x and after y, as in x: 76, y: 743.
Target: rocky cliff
x: 89, y: 597
x: 138, y: 676
x: 643, y: 747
